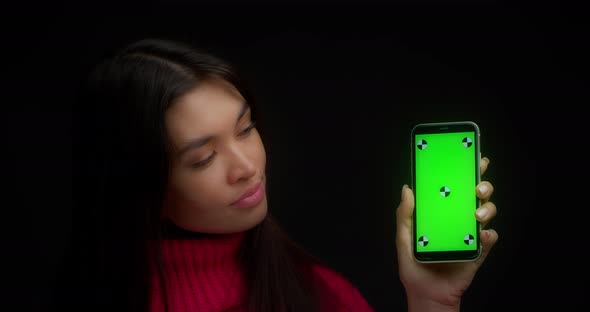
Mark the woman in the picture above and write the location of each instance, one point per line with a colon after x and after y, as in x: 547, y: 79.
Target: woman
x: 171, y: 206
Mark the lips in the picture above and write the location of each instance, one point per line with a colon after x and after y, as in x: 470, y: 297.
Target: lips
x: 250, y: 197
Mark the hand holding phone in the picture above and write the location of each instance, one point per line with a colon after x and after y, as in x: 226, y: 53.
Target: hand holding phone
x: 445, y: 171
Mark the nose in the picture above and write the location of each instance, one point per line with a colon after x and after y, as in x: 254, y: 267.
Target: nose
x: 242, y: 167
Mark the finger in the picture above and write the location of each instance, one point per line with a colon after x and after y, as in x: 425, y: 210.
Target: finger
x: 484, y: 191
x: 404, y: 214
x: 483, y: 165
x: 485, y: 213
x: 488, y: 240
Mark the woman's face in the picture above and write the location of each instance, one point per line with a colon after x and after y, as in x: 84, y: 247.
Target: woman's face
x: 217, y: 180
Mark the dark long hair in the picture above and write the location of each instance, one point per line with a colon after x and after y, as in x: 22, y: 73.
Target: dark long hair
x: 121, y: 169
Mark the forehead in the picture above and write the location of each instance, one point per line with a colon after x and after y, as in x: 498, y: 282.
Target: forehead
x: 211, y: 107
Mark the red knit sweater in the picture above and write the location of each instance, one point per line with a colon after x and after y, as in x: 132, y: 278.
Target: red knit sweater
x: 203, y: 275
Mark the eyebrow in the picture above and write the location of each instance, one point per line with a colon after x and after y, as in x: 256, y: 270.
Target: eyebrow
x: 199, y: 142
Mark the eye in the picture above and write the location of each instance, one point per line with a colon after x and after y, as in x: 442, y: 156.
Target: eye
x: 248, y: 129
x: 203, y: 162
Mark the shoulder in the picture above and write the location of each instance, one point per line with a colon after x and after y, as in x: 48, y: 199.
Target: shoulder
x: 344, y: 291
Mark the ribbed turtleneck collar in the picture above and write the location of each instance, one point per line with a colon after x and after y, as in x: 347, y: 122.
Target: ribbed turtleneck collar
x: 201, y: 273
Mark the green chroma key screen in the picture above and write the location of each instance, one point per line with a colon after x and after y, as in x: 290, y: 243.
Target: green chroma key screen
x: 445, y: 192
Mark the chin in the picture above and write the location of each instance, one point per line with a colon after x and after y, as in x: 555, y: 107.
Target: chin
x: 255, y: 219
x: 241, y: 224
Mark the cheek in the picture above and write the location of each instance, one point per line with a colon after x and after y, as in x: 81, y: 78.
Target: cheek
x: 200, y: 190
x: 259, y: 153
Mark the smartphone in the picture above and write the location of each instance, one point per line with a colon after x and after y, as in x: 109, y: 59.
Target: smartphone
x: 445, y: 173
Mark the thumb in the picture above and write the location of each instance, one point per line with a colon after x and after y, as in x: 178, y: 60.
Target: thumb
x: 404, y: 226
x: 405, y: 209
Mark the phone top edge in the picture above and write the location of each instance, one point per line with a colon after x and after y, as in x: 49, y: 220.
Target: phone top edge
x: 449, y: 123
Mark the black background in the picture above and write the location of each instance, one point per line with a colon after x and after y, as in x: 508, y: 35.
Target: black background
x: 340, y: 87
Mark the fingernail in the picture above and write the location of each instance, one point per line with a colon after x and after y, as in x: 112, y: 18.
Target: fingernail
x: 485, y: 234
x: 403, y: 191
x: 486, y: 158
x: 482, y: 212
x: 483, y: 189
